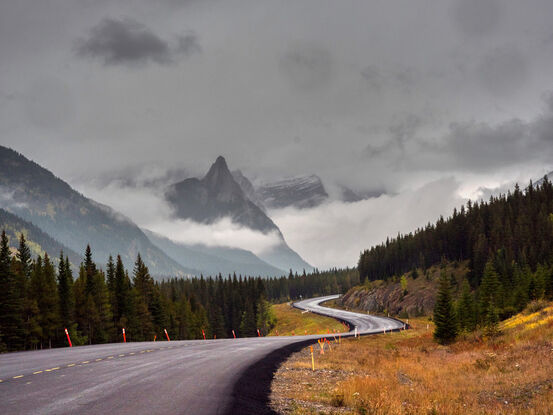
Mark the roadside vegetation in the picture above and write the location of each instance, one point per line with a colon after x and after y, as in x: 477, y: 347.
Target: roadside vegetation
x: 410, y: 373
x: 291, y: 321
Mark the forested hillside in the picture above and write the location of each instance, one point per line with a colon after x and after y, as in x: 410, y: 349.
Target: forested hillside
x: 508, y: 242
x: 39, y: 300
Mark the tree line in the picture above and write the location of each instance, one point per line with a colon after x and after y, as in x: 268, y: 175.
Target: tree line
x: 39, y: 300
x: 507, y: 241
x: 41, y: 297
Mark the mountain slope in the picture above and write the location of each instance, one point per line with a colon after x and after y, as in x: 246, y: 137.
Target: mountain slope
x: 210, y: 261
x: 218, y: 195
x: 36, y: 195
x: 38, y: 241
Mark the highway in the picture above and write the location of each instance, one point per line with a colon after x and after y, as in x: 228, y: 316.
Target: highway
x: 226, y: 376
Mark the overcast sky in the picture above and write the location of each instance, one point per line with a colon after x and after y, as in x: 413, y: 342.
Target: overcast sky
x: 433, y: 98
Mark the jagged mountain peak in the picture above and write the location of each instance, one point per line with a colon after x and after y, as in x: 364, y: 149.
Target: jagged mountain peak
x: 219, y: 180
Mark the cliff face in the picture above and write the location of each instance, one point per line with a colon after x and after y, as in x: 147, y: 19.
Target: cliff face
x: 416, y: 299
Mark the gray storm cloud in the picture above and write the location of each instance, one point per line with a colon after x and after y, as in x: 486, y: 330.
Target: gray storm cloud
x: 126, y: 41
x: 370, y: 95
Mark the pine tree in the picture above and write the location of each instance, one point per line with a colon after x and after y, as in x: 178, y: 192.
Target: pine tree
x: 466, y: 310
x: 123, y: 296
x: 491, y: 320
x: 490, y: 287
x: 48, y: 304
x: 444, y: 314
x: 65, y: 293
x: 11, y: 304
x: 90, y: 270
x: 29, y: 308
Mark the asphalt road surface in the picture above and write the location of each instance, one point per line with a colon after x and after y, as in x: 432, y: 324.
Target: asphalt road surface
x: 226, y: 376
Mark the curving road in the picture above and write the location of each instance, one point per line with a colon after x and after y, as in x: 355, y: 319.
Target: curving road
x: 226, y: 376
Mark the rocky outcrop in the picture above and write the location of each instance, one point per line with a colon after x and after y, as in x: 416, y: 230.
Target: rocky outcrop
x: 416, y: 299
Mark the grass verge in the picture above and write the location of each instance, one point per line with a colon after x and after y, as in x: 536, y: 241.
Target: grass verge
x: 408, y: 373
x: 291, y: 321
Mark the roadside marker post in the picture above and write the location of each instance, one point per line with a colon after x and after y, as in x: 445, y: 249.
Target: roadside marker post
x: 234, y: 334
x: 124, y: 336
x: 203, y: 333
x: 258, y: 334
x: 312, y: 359
x: 167, y: 335
x: 355, y: 331
x: 155, y: 337
x: 68, y: 338
x: 329, y: 346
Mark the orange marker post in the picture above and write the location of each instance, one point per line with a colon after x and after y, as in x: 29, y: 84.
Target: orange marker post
x: 312, y: 359
x: 234, y: 334
x: 203, y: 333
x: 155, y: 337
x: 258, y: 334
x: 68, y: 338
x: 124, y: 336
x: 167, y: 335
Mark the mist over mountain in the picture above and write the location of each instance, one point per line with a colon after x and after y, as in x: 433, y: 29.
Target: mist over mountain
x: 38, y: 241
x: 218, y: 195
x: 214, y: 260
x: 36, y: 195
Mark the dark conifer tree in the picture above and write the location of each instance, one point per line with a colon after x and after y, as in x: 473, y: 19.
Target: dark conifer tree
x: 65, y: 294
x: 444, y: 314
x: 11, y: 303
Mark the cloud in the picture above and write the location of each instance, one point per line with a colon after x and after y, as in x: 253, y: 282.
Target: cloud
x: 307, y: 66
x: 476, y: 17
x: 503, y: 71
x: 469, y: 147
x: 221, y: 233
x: 147, y: 207
x: 128, y: 42
x: 335, y: 233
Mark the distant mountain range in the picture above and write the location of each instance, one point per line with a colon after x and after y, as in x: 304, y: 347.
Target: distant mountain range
x: 55, y: 217
x: 37, y: 196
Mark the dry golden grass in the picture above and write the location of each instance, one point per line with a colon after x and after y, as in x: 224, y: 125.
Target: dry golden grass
x: 291, y: 321
x: 408, y: 373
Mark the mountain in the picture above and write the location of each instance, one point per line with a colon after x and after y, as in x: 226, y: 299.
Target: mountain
x: 214, y: 260
x: 36, y: 195
x: 218, y: 195
x: 215, y: 196
x: 248, y: 189
x: 300, y: 192
x: 38, y: 241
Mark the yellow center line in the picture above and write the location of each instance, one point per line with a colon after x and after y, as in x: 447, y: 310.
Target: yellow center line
x: 148, y: 351
x: 121, y: 355
x: 85, y: 362
x: 54, y: 368
x: 143, y: 351
x: 1, y: 381
x: 71, y: 365
x: 97, y: 360
x: 132, y: 353
x: 17, y: 377
x: 110, y: 357
x: 37, y: 372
